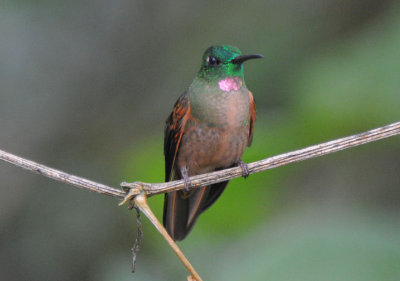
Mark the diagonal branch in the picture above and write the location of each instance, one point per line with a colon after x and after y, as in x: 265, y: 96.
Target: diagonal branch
x: 209, y: 178
x: 141, y: 203
x: 268, y: 163
x: 147, y: 189
x: 60, y: 176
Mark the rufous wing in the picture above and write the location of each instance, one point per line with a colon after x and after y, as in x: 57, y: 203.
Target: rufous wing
x: 174, y: 130
x: 176, y: 204
x: 252, y: 118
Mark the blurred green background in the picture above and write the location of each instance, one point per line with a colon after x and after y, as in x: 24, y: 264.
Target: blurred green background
x: 86, y: 86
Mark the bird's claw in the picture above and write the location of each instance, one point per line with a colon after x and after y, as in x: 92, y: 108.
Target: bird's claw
x: 186, y: 179
x: 187, y: 184
x: 245, y: 169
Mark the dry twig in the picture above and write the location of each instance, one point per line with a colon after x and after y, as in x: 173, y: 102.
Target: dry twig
x: 265, y: 164
x: 139, y: 191
x: 141, y: 203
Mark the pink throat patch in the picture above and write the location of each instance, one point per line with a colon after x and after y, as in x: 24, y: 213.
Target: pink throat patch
x: 229, y: 84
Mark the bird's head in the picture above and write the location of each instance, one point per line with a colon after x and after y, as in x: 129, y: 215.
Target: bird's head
x: 223, y: 61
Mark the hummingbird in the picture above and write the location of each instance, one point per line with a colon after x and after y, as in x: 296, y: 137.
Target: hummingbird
x: 209, y: 128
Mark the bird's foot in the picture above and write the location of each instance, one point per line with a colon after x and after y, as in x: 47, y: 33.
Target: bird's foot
x: 185, y: 175
x: 245, y: 169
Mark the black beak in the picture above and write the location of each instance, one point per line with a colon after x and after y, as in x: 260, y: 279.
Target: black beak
x: 240, y: 59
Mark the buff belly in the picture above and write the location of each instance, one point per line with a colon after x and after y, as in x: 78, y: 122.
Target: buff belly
x: 205, y: 149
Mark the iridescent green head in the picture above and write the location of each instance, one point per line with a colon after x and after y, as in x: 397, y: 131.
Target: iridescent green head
x: 223, y: 61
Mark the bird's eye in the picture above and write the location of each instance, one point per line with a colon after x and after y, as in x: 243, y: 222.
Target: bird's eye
x: 212, y: 60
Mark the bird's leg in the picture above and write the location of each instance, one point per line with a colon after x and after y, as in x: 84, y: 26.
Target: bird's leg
x: 245, y: 168
x: 185, y: 175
